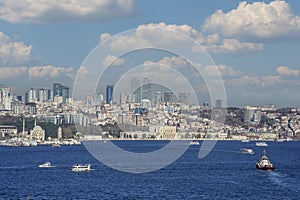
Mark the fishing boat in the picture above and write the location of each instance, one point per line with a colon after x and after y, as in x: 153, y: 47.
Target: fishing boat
x: 81, y: 168
x: 45, y: 165
x: 247, y: 151
x: 264, y: 163
x: 261, y: 144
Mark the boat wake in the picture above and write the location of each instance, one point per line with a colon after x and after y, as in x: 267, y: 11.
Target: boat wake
x: 284, y: 181
x: 225, y: 150
x: 278, y: 178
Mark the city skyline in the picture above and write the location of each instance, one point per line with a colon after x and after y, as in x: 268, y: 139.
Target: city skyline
x: 254, y: 44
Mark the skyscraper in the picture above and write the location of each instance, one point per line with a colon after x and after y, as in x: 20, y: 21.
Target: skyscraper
x: 219, y: 103
x: 168, y: 96
x: 109, y: 93
x: 61, y: 91
x: 30, y: 96
x: 5, y: 98
x: 65, y: 93
x: 57, y: 89
x: 42, y: 95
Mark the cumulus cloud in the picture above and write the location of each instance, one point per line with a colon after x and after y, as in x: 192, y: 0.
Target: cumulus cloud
x: 257, y: 81
x: 41, y: 11
x: 36, y: 72
x: 13, y: 53
x: 111, y: 60
x: 286, y: 71
x: 258, y: 20
x: 9, y: 72
x: 155, y: 34
x: 234, y: 46
x: 49, y: 71
x: 226, y: 71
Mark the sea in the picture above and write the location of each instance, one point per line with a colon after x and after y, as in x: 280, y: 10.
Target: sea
x: 224, y: 173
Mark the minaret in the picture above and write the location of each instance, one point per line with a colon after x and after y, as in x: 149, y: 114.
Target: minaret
x: 35, y: 122
x: 23, y: 131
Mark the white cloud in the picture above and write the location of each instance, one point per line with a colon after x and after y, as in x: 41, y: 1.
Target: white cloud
x: 49, y: 71
x: 234, y: 46
x: 111, y: 60
x: 256, y: 81
x: 226, y: 71
x: 286, y: 71
x: 12, y: 72
x: 41, y: 11
x: 104, y: 36
x: 13, y: 53
x: 258, y: 20
x: 155, y: 34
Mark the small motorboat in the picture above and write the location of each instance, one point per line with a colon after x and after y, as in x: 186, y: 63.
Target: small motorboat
x: 194, y: 143
x: 45, y: 165
x: 264, y: 163
x: 247, y: 151
x: 81, y: 168
x: 55, y: 145
x: 261, y: 144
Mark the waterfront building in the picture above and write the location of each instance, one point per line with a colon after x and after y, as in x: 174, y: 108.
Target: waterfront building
x: 6, y: 130
x: 166, y: 132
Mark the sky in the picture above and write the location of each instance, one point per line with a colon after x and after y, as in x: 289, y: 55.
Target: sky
x: 254, y: 45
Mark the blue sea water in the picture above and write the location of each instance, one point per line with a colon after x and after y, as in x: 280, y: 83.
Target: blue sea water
x: 223, y: 174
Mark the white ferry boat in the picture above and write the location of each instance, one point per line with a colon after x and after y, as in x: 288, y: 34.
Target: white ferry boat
x: 194, y: 143
x: 247, y: 151
x: 45, y: 165
x: 261, y: 144
x: 245, y: 140
x: 81, y: 168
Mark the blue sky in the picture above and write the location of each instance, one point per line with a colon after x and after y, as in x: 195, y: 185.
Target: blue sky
x: 255, y: 44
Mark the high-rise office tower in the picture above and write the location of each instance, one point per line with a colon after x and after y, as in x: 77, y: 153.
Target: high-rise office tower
x: 158, y: 98
x: 50, y: 95
x: 61, y: 91
x: 146, y: 89
x: 30, y: 96
x: 57, y: 89
x: 219, y: 103
x: 168, y: 96
x: 42, y: 95
x: 5, y: 97
x: 109, y: 93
